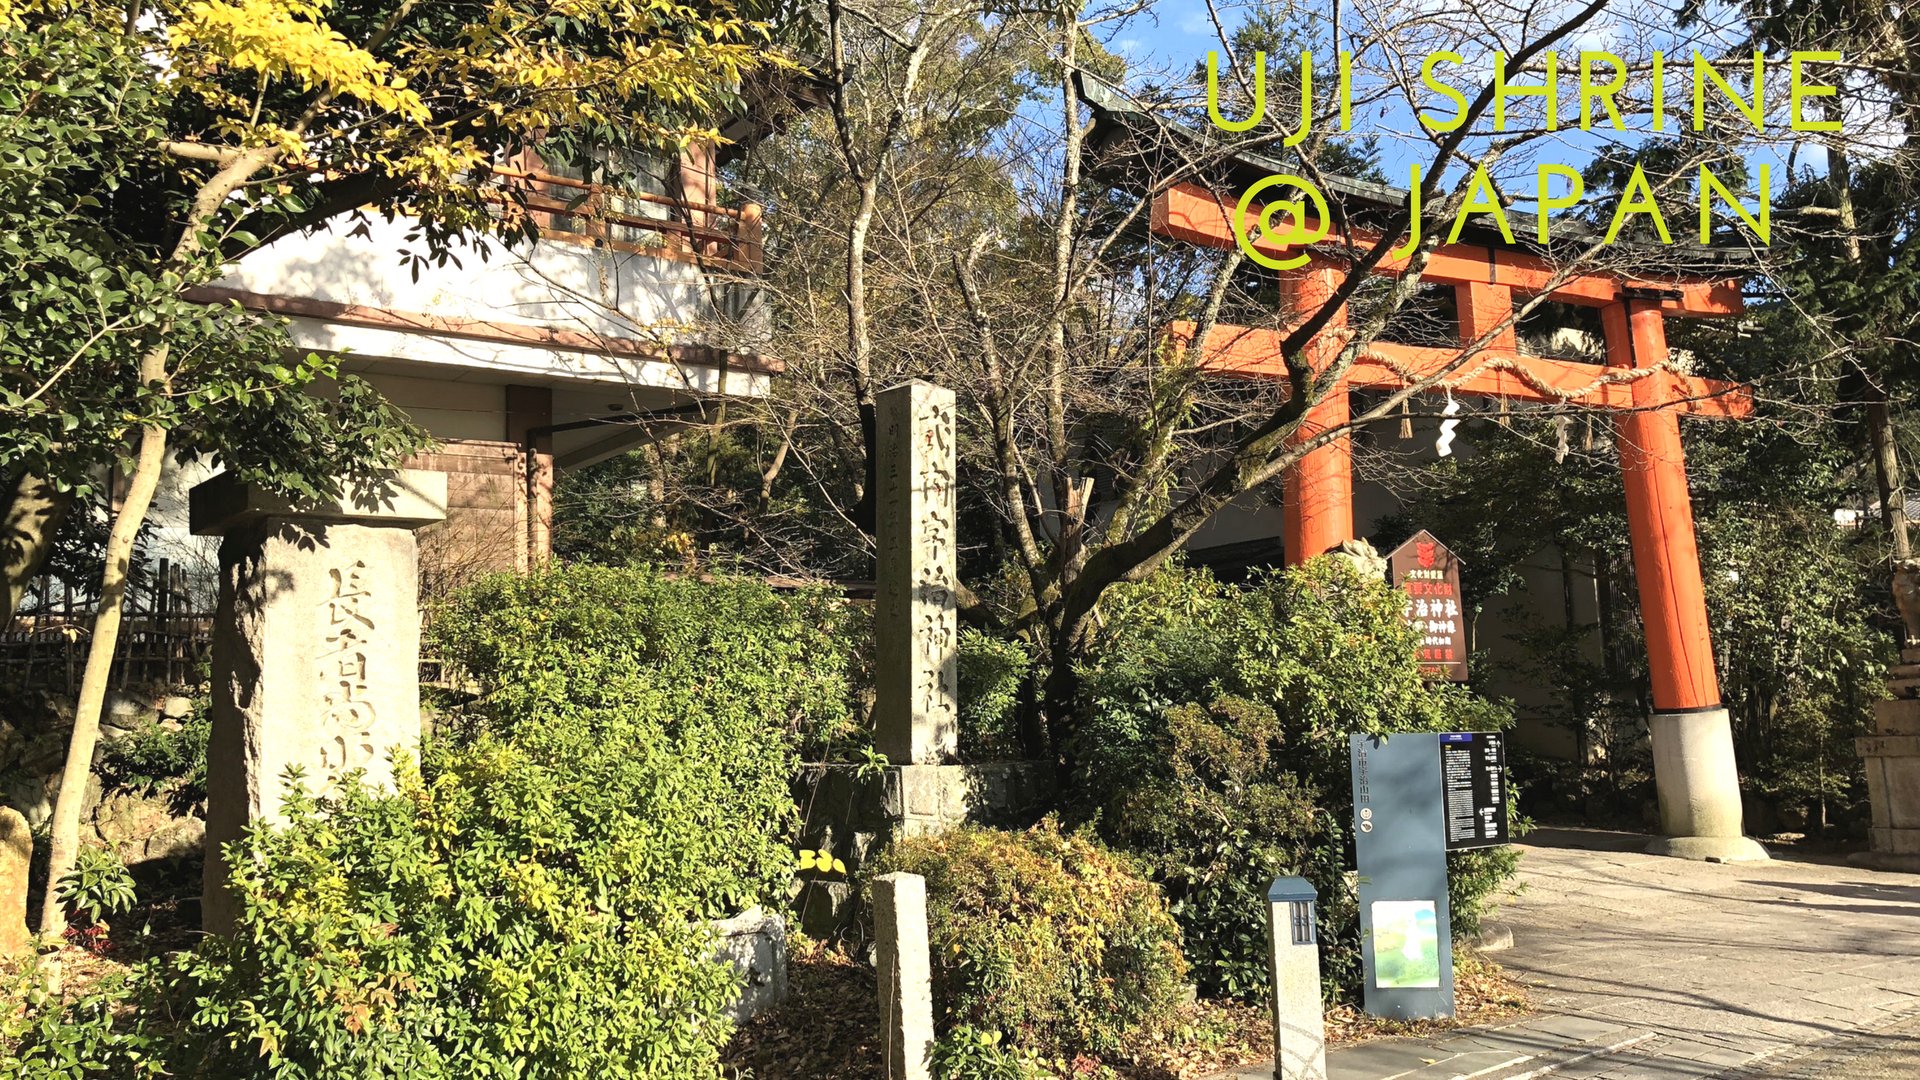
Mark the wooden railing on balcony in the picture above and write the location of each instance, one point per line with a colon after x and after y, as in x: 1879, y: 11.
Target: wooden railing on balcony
x: 579, y: 211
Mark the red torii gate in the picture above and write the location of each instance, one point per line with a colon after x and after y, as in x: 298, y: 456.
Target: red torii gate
x: 1692, y: 739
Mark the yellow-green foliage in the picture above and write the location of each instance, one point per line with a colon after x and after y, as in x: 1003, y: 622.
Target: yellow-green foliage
x: 677, y: 705
x: 1044, y: 936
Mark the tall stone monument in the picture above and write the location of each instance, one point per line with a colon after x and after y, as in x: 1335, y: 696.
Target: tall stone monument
x: 1892, y: 759
x: 316, y: 647
x: 916, y: 622
x: 916, y: 630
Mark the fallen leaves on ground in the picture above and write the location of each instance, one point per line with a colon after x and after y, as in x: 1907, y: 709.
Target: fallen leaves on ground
x: 828, y: 1027
x: 1483, y: 993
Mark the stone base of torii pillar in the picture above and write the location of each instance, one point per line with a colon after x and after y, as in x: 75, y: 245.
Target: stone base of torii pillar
x: 316, y: 648
x: 1699, y: 788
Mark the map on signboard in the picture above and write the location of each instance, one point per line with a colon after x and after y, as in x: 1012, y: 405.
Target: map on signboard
x: 1429, y: 574
x: 1406, y: 944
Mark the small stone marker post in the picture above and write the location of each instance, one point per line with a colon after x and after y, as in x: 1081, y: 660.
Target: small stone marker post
x: 1299, y: 1026
x: 316, y: 647
x: 16, y: 855
x: 916, y: 623
x: 905, y: 974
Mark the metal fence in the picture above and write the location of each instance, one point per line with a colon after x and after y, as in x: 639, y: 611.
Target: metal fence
x: 165, y: 635
x: 166, y: 632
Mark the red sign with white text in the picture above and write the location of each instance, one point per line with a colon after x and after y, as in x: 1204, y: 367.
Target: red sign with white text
x: 1429, y: 574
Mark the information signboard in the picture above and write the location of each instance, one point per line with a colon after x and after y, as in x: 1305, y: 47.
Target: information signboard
x: 1429, y: 574
x: 1473, y: 769
x: 1400, y: 851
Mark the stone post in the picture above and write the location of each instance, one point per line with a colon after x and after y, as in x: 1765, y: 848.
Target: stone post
x: 16, y: 855
x: 316, y: 647
x: 915, y: 620
x: 1299, y: 1025
x: 1892, y: 759
x: 905, y: 974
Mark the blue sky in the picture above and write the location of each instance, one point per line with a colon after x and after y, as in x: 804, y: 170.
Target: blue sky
x: 1173, y: 34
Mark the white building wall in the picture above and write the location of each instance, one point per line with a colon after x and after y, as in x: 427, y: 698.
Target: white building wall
x: 553, y: 283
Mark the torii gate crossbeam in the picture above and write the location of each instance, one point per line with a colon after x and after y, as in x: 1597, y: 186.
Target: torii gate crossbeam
x: 1694, y: 765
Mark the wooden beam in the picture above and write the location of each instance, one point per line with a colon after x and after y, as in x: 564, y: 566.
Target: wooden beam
x: 1251, y: 353
x: 1191, y: 214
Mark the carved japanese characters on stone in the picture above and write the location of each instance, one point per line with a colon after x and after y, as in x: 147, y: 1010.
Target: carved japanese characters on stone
x: 916, y: 625
x: 347, y: 716
x: 938, y: 630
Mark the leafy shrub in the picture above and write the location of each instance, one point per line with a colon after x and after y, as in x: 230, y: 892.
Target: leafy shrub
x: 157, y: 757
x: 469, y: 925
x: 530, y: 901
x: 1214, y: 747
x: 967, y: 1053
x: 1797, y: 602
x: 97, y: 886
x: 676, y: 706
x: 991, y: 672
x: 1044, y: 937
x: 101, y: 1033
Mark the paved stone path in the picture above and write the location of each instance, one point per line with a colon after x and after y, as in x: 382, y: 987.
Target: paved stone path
x: 1890, y: 1054
x: 1647, y: 968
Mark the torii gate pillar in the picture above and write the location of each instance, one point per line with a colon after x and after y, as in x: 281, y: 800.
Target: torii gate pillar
x: 1694, y: 771
x: 1316, y: 509
x: 1698, y: 784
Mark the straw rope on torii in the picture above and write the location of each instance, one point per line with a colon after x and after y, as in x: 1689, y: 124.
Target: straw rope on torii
x: 1493, y: 371
x: 1485, y: 361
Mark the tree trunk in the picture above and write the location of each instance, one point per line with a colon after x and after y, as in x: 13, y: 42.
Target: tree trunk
x: 149, y: 460
x: 63, y: 845
x: 1057, y: 694
x: 1577, y: 697
x: 31, y: 519
x: 1886, y: 472
x: 1878, y: 412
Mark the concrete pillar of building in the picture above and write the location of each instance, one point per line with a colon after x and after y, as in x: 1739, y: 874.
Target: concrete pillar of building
x: 904, y: 973
x: 916, y: 623
x: 530, y: 426
x: 1694, y: 771
x: 1317, y: 515
x: 316, y: 647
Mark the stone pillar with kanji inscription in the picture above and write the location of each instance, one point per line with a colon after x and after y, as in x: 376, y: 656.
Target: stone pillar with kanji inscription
x: 916, y: 621
x: 316, y: 647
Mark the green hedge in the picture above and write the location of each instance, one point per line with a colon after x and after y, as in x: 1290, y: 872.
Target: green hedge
x: 470, y: 926
x: 992, y: 670
x: 1214, y: 746
x: 676, y: 704
x: 1043, y: 937
x: 530, y: 903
